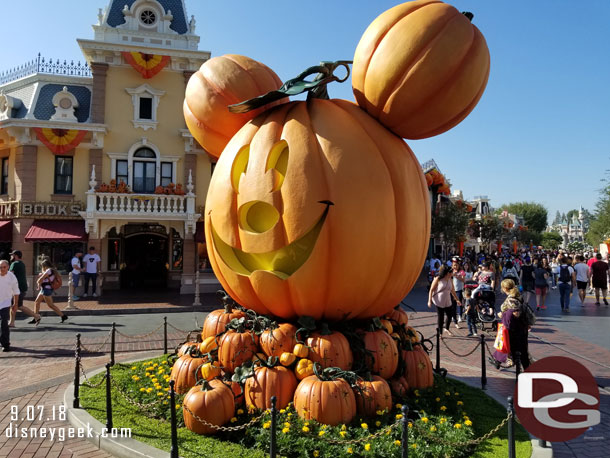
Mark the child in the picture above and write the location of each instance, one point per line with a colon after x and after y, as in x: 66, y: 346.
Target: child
x: 471, y: 312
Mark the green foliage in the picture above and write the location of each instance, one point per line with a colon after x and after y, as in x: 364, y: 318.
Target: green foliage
x: 490, y: 228
x: 557, y: 219
x: 551, y: 240
x: 599, y: 228
x: 450, y: 221
x: 434, y: 412
x: 534, y: 215
x: 576, y: 247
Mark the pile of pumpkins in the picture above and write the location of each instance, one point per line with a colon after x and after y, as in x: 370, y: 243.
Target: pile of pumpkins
x: 329, y: 375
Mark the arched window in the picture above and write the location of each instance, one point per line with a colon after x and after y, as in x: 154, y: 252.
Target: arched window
x: 144, y: 170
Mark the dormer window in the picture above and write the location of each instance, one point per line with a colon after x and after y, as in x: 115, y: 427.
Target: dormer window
x: 148, y: 17
x: 145, y: 101
x: 65, y: 103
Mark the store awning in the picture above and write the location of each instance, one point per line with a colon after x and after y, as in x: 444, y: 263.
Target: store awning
x: 49, y: 230
x: 200, y: 233
x: 6, y: 231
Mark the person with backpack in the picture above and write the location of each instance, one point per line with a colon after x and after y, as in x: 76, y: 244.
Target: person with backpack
x: 48, y: 281
x: 566, y: 282
x: 583, y: 276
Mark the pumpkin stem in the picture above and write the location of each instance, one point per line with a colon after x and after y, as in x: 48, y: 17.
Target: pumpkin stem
x: 317, y: 87
x: 324, y: 329
x: 468, y: 14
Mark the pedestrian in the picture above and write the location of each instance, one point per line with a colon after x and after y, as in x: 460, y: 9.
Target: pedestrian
x: 45, y: 279
x: 566, y: 282
x: 18, y: 269
x: 515, y: 320
x: 9, y: 291
x: 599, y: 278
x: 92, y: 263
x: 76, y: 270
x: 554, y: 271
x: 541, y: 276
x: 583, y: 275
x: 458, y: 276
x: 509, y: 271
x: 527, y: 279
x: 471, y: 312
x: 440, y: 295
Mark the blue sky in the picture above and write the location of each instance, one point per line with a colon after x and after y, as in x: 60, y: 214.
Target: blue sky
x: 541, y: 131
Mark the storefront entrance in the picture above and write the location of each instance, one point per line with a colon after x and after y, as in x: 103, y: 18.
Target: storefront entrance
x: 146, y: 261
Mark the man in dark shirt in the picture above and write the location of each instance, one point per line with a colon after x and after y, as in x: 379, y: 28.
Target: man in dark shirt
x: 599, y: 278
x: 18, y: 269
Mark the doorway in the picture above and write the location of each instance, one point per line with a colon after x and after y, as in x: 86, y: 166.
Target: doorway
x: 146, y: 257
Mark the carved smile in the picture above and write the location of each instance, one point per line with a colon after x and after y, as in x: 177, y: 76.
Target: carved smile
x: 282, y: 262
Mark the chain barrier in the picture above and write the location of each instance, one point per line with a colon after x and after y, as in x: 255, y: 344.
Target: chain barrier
x: 458, y: 354
x: 226, y: 428
x: 379, y: 433
x: 477, y: 441
x: 169, y: 325
x: 88, y: 350
x: 87, y: 382
x: 141, y: 336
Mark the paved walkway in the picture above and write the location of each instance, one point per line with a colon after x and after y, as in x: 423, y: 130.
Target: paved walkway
x: 49, y: 363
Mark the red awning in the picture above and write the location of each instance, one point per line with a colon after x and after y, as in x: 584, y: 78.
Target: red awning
x: 200, y: 233
x: 6, y: 231
x: 49, y: 230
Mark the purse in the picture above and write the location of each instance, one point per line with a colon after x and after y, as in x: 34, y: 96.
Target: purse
x: 502, y: 342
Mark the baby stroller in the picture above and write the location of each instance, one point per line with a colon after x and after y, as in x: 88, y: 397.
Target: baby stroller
x: 486, y: 312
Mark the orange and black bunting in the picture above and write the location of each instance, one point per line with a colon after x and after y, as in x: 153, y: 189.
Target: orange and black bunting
x: 60, y: 141
x: 148, y: 65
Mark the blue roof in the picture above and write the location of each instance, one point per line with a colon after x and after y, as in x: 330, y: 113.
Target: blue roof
x: 44, y: 106
x: 178, y: 25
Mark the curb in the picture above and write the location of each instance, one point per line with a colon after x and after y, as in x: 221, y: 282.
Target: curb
x: 130, y: 311
x: 537, y: 450
x: 120, y: 447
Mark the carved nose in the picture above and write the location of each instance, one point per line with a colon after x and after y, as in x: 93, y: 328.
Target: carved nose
x: 257, y: 216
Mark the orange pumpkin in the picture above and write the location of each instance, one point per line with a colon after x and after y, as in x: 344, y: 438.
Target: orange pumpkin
x: 222, y: 81
x: 287, y: 359
x: 418, y: 370
x: 398, y: 316
x: 399, y: 387
x: 304, y: 368
x: 281, y: 339
x: 278, y: 244
x: 212, y: 402
x: 372, y: 396
x: 208, y: 344
x: 185, y: 348
x: 184, y: 372
x: 235, y: 348
x: 330, y: 349
x: 216, y: 321
x: 331, y: 402
x: 267, y: 382
x: 420, y: 68
x: 381, y: 353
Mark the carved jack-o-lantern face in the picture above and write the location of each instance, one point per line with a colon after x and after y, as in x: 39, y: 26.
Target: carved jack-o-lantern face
x: 316, y: 209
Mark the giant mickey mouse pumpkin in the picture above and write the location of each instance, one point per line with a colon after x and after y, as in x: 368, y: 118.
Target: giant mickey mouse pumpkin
x: 317, y: 209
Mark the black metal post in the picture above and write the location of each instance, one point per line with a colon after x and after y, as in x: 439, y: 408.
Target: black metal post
x: 76, y: 401
x: 164, y: 335
x: 483, y: 363
x: 172, y: 399
x: 511, y: 429
x: 112, y: 343
x: 405, y: 432
x: 438, y: 349
x: 272, y: 445
x: 517, y: 365
x: 108, y: 400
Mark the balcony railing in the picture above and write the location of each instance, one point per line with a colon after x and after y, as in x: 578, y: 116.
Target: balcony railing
x: 140, y: 204
x: 42, y: 65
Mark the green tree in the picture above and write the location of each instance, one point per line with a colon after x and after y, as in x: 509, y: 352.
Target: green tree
x: 576, y: 247
x: 571, y: 213
x: 490, y: 228
x: 449, y: 222
x: 551, y: 240
x: 599, y: 228
x: 557, y: 219
x: 534, y: 215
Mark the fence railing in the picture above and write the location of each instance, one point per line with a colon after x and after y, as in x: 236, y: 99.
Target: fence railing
x: 49, y: 66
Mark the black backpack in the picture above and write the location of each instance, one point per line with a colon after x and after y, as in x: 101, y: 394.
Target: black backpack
x: 564, y: 274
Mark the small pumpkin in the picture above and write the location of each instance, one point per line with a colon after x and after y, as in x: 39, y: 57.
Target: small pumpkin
x: 185, y: 372
x: 387, y: 326
x: 212, y: 402
x: 420, y: 68
x: 304, y: 368
x: 381, y: 353
x: 208, y: 344
x: 186, y: 347
x: 398, y: 316
x: 216, y: 321
x: 301, y: 351
x: 209, y: 371
x: 222, y: 81
x: 399, y: 387
x: 330, y: 349
x: 275, y: 341
x: 418, y: 368
x: 235, y: 348
x: 287, y: 359
x: 267, y: 382
x: 325, y: 399
x: 372, y: 395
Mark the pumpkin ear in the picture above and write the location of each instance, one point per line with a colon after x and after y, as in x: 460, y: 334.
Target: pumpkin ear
x: 240, y: 165
x: 278, y: 161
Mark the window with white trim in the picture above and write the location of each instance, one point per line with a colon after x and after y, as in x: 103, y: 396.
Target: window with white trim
x: 145, y: 100
x: 4, y: 182
x: 144, y: 170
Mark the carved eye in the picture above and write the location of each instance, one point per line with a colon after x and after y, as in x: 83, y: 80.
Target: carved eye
x: 240, y: 164
x: 278, y: 161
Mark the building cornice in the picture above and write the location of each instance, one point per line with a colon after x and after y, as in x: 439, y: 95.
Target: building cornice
x: 47, y: 78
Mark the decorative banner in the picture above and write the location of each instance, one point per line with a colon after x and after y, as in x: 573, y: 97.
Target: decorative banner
x: 461, y: 248
x: 60, y: 141
x: 514, y: 246
x: 147, y: 64
x: 499, y: 245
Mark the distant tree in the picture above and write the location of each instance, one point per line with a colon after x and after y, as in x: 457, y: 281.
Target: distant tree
x: 449, y: 222
x: 599, y: 228
x: 576, y: 247
x: 551, y: 240
x: 490, y: 229
x: 534, y: 215
x: 571, y: 213
x: 557, y: 219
